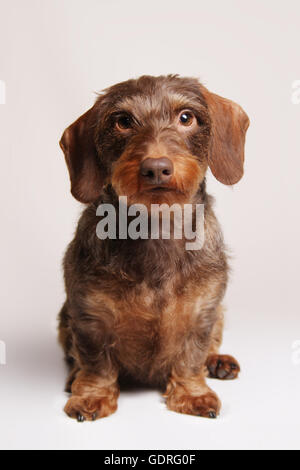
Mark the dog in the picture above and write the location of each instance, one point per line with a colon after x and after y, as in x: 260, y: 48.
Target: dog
x: 148, y: 311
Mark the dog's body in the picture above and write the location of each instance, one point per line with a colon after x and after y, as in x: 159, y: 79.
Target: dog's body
x: 148, y: 310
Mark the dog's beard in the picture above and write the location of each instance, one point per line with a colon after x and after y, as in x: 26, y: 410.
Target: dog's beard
x: 180, y: 190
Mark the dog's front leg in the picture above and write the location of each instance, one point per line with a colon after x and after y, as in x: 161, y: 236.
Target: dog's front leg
x: 95, y: 389
x: 93, y: 397
x: 191, y: 395
x: 187, y: 391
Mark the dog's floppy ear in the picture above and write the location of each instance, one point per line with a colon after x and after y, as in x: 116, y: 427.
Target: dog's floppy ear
x: 229, y: 127
x: 78, y: 145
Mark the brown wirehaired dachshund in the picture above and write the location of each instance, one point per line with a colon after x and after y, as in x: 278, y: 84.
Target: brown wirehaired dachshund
x: 148, y: 310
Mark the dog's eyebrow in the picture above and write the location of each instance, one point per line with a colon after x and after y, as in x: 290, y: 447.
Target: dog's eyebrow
x: 179, y: 100
x: 175, y: 101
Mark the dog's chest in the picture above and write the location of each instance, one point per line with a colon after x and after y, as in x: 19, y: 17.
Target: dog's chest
x: 151, y: 327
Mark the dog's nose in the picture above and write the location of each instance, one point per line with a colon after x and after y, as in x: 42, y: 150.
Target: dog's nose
x: 157, y: 170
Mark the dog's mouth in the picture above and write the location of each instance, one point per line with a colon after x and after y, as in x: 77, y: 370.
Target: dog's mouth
x: 158, y: 194
x: 160, y: 189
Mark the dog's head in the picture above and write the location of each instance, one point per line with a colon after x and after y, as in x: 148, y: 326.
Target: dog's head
x: 153, y: 139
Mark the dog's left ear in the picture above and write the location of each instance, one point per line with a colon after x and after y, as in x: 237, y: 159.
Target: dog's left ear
x: 78, y: 145
x: 229, y: 127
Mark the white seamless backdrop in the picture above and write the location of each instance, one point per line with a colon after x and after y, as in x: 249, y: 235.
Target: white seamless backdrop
x: 55, y: 54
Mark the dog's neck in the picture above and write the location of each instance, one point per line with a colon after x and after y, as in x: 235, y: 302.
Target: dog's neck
x: 154, y: 261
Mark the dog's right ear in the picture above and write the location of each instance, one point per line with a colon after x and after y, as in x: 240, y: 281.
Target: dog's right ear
x: 78, y: 145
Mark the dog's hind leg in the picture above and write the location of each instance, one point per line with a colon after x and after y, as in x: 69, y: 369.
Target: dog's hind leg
x: 217, y: 332
x: 220, y: 366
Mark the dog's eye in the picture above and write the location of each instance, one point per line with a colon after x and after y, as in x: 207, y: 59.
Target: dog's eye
x: 186, y: 118
x: 124, y: 122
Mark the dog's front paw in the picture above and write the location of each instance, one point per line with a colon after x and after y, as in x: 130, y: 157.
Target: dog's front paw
x: 90, y: 408
x: 222, y: 367
x: 207, y: 405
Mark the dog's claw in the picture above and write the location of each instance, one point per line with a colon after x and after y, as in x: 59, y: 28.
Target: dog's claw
x: 222, y: 373
x: 80, y: 418
x: 212, y: 415
x: 94, y: 417
x: 222, y: 367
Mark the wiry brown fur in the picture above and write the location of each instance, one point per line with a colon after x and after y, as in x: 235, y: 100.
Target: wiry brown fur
x: 147, y: 309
